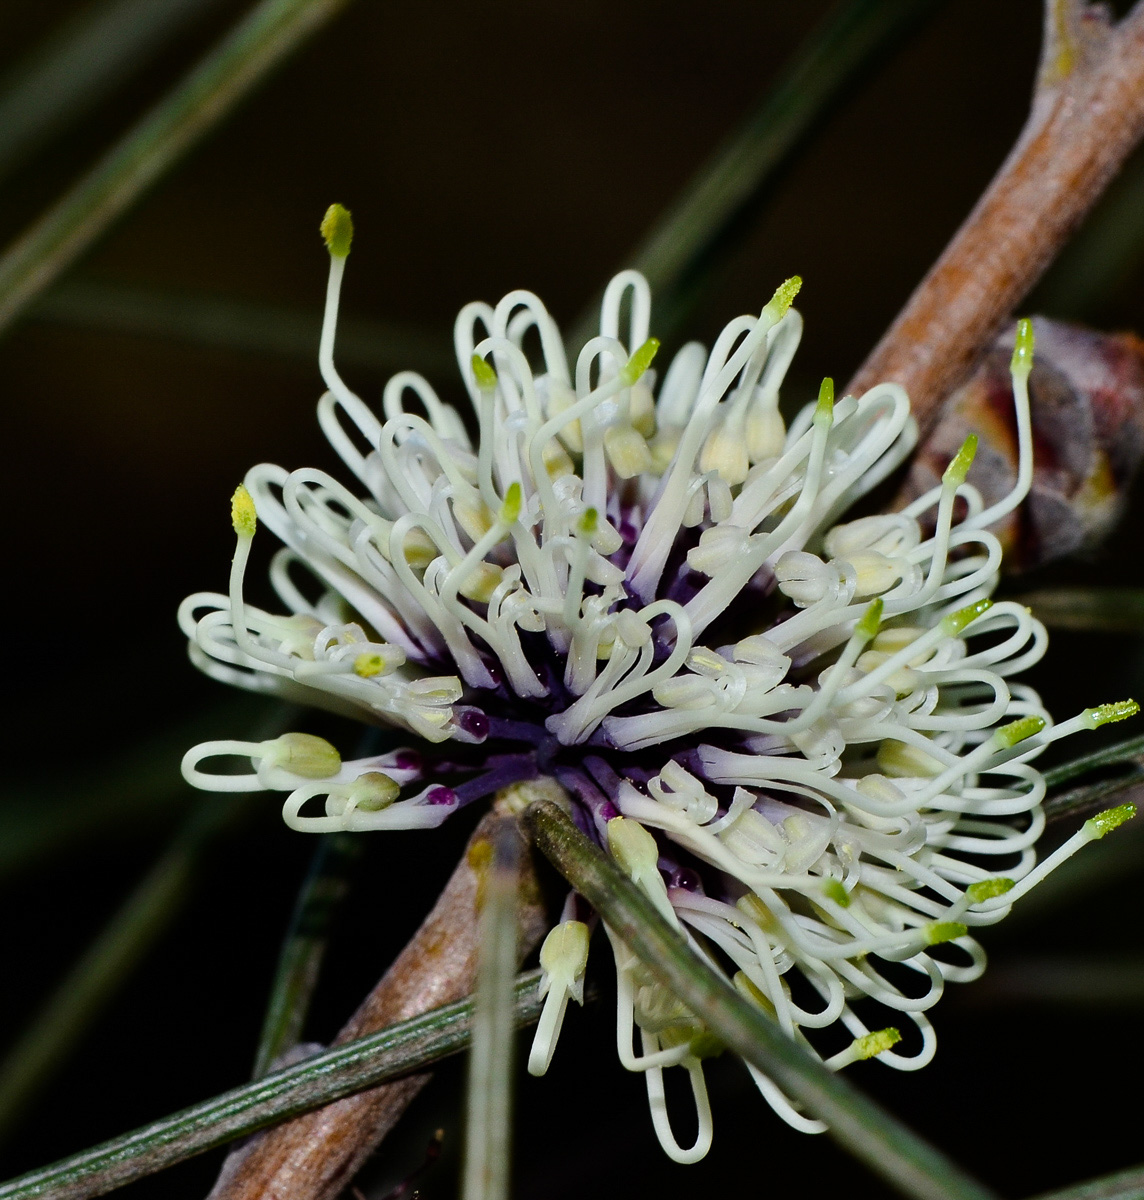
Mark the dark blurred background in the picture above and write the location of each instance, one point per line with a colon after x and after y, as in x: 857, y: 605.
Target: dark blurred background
x: 480, y: 148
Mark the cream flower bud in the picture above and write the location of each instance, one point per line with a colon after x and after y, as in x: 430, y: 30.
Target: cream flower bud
x: 875, y: 573
x: 717, y: 547
x: 725, y: 451
x: 302, y: 754
x: 764, y: 431
x: 803, y: 577
x: 563, y: 958
x: 685, y: 691
x: 900, y: 760
x: 627, y: 451
x: 373, y: 791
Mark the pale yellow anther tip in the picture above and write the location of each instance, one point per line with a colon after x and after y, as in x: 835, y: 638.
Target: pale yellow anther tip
x: 1112, y: 818
x: 1023, y: 345
x: 589, y: 522
x: 1107, y: 714
x: 824, y: 411
x: 337, y: 230
x: 957, y: 621
x: 959, y: 465
x: 988, y: 889
x: 876, y: 1042
x: 1017, y: 731
x: 513, y: 501
x: 871, y: 619
x: 367, y: 665
x: 832, y: 889
x: 784, y: 296
x: 485, y: 376
x: 937, y: 932
x: 243, y: 516
x: 639, y: 362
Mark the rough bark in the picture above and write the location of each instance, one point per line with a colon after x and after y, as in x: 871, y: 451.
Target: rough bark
x: 315, y: 1157
x: 1087, y: 115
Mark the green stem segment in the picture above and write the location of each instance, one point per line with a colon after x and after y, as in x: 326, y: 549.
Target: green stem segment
x: 79, y: 999
x: 304, y: 947
x: 489, y: 1115
x: 863, y: 1127
x: 223, y: 78
x: 328, y: 1076
x: 81, y: 61
x: 680, y: 249
x: 252, y: 327
x: 142, y: 793
x: 1124, y: 1185
x: 1130, y: 751
x: 1091, y: 798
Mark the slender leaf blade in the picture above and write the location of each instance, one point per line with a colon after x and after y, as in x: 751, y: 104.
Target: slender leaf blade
x: 317, y: 1081
x: 212, y: 89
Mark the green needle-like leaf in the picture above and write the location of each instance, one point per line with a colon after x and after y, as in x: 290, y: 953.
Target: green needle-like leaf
x: 80, y: 997
x: 858, y: 1123
x: 307, y: 1085
x: 223, y: 78
x: 711, y: 209
x: 1129, y: 751
x: 1092, y: 610
x: 489, y: 1110
x: 1091, y: 798
x: 1124, y: 1185
x: 304, y: 946
x: 81, y: 62
x: 243, y: 325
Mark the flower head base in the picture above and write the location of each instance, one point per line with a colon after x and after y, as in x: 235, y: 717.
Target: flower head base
x: 825, y: 803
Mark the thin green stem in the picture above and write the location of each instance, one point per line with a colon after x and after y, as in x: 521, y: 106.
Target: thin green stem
x: 79, y: 63
x: 679, y: 252
x: 223, y: 78
x: 1092, y: 797
x: 258, y: 328
x: 1128, y: 751
x: 1124, y: 1185
x: 304, y: 946
x: 142, y: 791
x: 489, y: 1110
x: 1091, y: 610
x: 1065, y: 981
x: 98, y: 974
x: 328, y: 1076
x: 863, y: 1127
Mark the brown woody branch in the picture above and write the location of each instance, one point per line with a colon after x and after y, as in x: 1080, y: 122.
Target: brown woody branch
x: 1087, y: 115
x: 315, y: 1157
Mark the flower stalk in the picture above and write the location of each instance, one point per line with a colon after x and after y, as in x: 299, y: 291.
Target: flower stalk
x: 867, y: 1130
x: 342, y: 1071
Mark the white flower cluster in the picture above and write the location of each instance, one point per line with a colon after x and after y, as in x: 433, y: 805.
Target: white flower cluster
x: 816, y: 798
